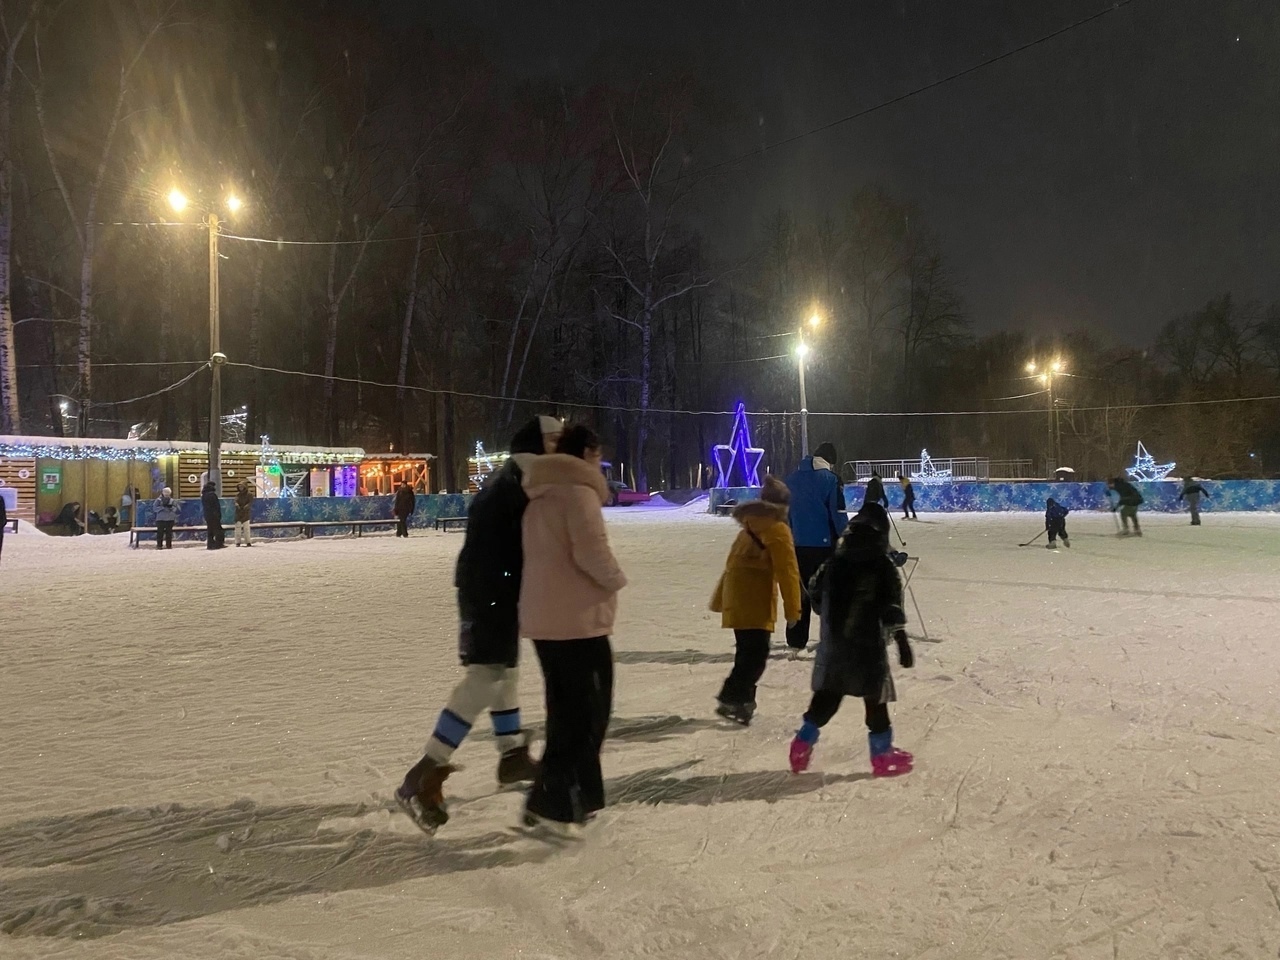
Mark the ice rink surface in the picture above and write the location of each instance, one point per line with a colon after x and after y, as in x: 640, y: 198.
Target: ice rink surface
x: 198, y: 752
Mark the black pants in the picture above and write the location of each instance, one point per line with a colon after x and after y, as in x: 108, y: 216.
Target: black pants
x: 402, y: 526
x: 824, y: 705
x: 809, y: 560
x: 215, y: 536
x: 164, y: 534
x: 749, y: 661
x: 579, y: 680
x: 1057, y: 529
x: 1, y: 539
x: 909, y: 509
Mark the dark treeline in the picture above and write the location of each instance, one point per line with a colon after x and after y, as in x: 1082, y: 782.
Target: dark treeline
x: 483, y: 248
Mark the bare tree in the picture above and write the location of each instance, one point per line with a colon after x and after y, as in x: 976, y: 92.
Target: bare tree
x: 10, y: 411
x: 150, y: 20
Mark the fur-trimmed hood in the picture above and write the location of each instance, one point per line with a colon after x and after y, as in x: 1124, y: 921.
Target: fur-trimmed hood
x: 760, y: 510
x: 561, y: 469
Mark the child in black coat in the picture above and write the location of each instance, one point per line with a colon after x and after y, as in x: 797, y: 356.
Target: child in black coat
x: 1055, y: 521
x: 858, y: 595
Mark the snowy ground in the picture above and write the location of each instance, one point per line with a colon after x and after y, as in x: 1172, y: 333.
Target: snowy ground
x: 198, y: 751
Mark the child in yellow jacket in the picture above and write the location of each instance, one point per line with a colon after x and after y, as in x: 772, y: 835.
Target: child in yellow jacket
x: 762, y: 562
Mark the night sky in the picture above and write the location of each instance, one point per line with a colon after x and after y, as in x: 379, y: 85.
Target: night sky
x: 1107, y: 179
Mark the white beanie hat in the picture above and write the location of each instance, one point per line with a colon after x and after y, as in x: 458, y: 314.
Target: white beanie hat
x: 550, y: 425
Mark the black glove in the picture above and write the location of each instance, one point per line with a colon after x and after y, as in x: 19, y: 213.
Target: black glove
x: 905, y: 657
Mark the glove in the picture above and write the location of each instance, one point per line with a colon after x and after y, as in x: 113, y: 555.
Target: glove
x: 906, y: 658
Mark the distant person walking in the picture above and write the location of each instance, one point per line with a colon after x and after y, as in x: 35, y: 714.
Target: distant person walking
x: 215, y: 536
x: 817, y: 520
x: 244, y: 513
x: 908, y: 499
x: 875, y: 491
x: 166, y: 515
x: 4, y: 518
x: 1192, y: 491
x: 568, y: 601
x: 1127, y: 502
x: 404, y: 506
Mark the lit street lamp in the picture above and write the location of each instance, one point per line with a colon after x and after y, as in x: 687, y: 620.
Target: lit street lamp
x: 178, y: 201
x: 802, y: 351
x: 1052, y: 369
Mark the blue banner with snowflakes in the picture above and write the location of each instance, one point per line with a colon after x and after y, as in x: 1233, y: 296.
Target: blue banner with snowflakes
x: 313, y: 510
x: 965, y: 497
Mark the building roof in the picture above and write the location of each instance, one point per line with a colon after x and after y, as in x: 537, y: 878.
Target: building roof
x: 106, y: 448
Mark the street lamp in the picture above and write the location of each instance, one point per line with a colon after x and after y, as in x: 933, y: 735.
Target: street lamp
x: 1053, y: 368
x: 802, y: 351
x: 178, y: 201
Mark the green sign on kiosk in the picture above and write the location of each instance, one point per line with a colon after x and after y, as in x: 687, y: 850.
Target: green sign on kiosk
x: 51, y: 479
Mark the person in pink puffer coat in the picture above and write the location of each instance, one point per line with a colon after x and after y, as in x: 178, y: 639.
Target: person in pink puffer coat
x: 568, y: 600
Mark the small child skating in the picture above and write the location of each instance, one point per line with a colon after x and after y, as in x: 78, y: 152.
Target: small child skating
x: 1055, y: 521
x: 858, y: 594
x: 762, y: 562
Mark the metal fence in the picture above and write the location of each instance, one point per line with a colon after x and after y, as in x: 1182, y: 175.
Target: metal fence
x: 954, y: 468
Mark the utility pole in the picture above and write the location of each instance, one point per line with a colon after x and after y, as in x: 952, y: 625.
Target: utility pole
x: 216, y: 360
x: 801, y: 352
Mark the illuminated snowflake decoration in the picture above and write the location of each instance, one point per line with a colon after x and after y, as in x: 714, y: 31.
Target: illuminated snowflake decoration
x: 1145, y: 466
x: 928, y: 473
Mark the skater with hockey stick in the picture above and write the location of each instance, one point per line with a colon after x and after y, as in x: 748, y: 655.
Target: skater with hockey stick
x: 1192, y: 491
x: 1055, y: 523
x: 1128, y: 499
x: 488, y: 577
x: 859, y: 597
x: 761, y: 562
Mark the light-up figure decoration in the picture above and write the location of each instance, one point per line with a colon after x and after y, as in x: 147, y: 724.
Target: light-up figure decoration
x: 928, y: 473
x: 738, y: 454
x: 484, y: 466
x: 1145, y: 466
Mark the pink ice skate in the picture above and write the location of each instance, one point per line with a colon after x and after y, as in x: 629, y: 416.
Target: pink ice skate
x: 891, y: 764
x: 801, y: 754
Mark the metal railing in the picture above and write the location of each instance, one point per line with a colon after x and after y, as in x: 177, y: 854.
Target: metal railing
x: 958, y: 468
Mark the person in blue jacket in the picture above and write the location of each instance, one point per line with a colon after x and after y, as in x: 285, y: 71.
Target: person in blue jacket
x: 817, y: 520
x: 1055, y: 521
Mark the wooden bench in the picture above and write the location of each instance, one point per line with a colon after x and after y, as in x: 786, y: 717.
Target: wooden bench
x: 445, y: 523
x: 726, y: 508
x: 12, y: 522
x: 303, y: 527
x: 357, y: 526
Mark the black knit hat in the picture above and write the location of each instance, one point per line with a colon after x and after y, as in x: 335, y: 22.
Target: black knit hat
x: 827, y: 452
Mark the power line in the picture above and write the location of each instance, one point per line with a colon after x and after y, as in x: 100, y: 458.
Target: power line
x: 96, y: 365
x: 785, y: 141
x: 155, y: 393
x: 663, y: 411
x: 347, y: 243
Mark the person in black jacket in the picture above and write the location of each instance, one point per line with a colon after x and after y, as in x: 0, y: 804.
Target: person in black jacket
x: 875, y: 491
x: 215, y: 536
x: 858, y: 594
x: 403, y: 509
x: 1128, y: 499
x: 487, y: 579
x: 4, y: 519
x: 1192, y: 491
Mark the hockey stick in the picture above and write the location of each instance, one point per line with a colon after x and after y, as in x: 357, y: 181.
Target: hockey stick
x: 915, y: 562
x: 895, y: 529
x: 1033, y: 539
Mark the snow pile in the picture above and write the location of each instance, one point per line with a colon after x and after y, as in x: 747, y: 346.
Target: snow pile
x: 200, y: 748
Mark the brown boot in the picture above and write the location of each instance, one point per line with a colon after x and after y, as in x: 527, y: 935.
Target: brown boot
x: 421, y: 796
x: 516, y: 766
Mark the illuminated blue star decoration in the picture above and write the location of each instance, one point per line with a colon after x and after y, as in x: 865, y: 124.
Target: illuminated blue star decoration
x: 928, y: 473
x: 738, y: 453
x: 1145, y: 466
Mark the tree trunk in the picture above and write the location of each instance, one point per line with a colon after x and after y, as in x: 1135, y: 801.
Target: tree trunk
x: 646, y: 392
x: 84, y: 368
x: 10, y: 415
x: 328, y: 414
x: 406, y: 336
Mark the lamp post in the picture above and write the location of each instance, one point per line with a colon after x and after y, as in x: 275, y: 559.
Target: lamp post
x: 802, y: 351
x: 1051, y: 370
x: 211, y: 222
